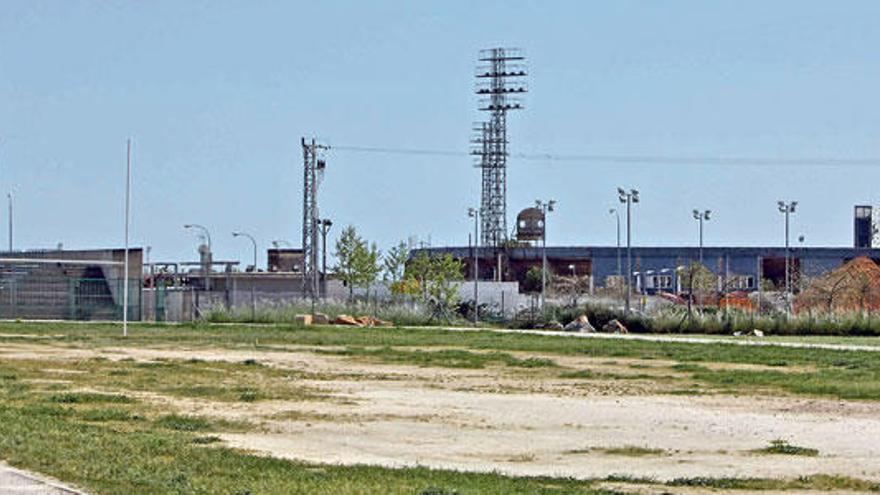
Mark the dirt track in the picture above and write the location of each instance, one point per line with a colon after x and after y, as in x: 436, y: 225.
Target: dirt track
x: 529, y: 422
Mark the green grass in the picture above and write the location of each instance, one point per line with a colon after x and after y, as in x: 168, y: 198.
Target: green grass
x: 446, y: 358
x: 782, y: 447
x: 112, y: 443
x: 829, y: 373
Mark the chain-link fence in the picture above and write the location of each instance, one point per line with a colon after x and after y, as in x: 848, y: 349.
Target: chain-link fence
x: 65, y: 290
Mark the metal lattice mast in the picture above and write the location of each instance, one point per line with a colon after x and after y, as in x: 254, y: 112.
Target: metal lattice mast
x: 313, y: 170
x: 499, y: 82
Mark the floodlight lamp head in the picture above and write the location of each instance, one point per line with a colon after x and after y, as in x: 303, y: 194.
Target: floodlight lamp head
x: 635, y: 196
x: 236, y: 234
x: 612, y: 211
x: 791, y: 207
x: 696, y: 215
x: 551, y: 205
x: 707, y: 214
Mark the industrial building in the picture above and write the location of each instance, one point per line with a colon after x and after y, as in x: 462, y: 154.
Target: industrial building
x: 655, y: 269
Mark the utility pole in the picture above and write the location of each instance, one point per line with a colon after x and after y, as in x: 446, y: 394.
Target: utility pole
x: 475, y: 214
x: 787, y: 209
x: 499, y: 81
x: 628, y: 197
x: 313, y: 172
x: 700, y: 216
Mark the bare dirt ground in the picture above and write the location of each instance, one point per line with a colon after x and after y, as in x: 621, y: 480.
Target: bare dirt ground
x: 523, y: 421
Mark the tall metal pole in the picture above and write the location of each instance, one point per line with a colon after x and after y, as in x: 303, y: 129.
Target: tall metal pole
x: 253, y: 290
x: 9, y: 196
x: 619, y: 263
x: 701, y: 240
x: 628, y: 198
x: 475, y: 213
x: 787, y: 209
x: 325, y: 229
x: 545, y: 207
x: 628, y: 253
x: 787, y: 266
x: 125, y: 263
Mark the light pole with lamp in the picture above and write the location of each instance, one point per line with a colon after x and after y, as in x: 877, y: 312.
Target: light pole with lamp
x: 253, y: 282
x: 207, y: 265
x: 787, y: 209
x: 616, y: 213
x: 628, y: 198
x: 475, y: 214
x: 701, y: 216
x: 545, y: 207
x: 324, y: 224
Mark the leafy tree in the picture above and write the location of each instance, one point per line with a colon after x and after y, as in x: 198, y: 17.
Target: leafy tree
x: 433, y: 278
x: 699, y: 281
x: 442, y: 292
x: 357, y: 262
x: 416, y: 274
x: 347, y: 247
x: 394, y: 262
x: 367, y: 265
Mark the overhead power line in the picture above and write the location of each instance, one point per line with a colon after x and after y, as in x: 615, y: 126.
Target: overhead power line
x: 634, y: 159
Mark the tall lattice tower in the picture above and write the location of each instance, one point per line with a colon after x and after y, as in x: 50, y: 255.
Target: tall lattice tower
x: 313, y: 172
x: 500, y: 82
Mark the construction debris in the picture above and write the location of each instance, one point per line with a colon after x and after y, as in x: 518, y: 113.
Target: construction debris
x: 320, y: 319
x: 853, y: 287
x: 580, y: 324
x: 347, y: 320
x: 615, y: 326
x: 303, y: 320
x: 361, y: 321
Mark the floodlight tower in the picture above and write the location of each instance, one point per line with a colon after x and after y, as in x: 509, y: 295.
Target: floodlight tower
x: 787, y: 209
x: 701, y: 216
x: 313, y: 172
x: 499, y: 82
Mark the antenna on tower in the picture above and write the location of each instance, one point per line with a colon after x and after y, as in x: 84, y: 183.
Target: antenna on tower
x: 313, y: 171
x: 500, y: 82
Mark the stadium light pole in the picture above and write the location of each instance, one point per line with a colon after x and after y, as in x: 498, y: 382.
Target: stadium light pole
x: 787, y: 209
x: 127, y: 216
x: 701, y: 216
x: 475, y: 214
x: 545, y: 207
x: 628, y: 198
x: 616, y: 213
x: 207, y: 267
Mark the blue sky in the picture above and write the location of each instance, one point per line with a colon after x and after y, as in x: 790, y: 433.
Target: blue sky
x: 216, y: 96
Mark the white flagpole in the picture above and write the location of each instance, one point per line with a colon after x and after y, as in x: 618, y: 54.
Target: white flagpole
x: 125, y: 269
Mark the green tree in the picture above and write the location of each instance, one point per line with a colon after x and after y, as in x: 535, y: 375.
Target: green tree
x: 367, y: 266
x: 442, y: 291
x: 357, y: 262
x: 346, y: 252
x: 394, y: 262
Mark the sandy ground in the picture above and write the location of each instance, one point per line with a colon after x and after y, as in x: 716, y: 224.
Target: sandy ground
x: 525, y: 422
